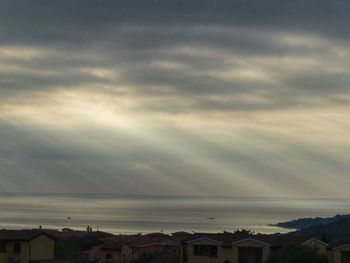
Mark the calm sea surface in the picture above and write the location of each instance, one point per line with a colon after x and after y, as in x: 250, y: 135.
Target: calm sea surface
x: 133, y: 214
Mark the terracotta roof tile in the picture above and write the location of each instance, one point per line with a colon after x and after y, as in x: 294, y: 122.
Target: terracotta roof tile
x: 340, y: 243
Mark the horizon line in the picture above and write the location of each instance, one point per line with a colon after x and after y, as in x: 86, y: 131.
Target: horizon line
x: 169, y: 195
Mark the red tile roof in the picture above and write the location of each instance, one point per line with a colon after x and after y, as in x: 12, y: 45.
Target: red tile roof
x: 228, y: 239
x: 339, y: 244
x: 23, y: 235
x: 113, y: 245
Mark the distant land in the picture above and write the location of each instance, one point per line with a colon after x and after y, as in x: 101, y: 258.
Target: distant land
x: 303, y: 223
x: 339, y: 230
x: 326, y: 229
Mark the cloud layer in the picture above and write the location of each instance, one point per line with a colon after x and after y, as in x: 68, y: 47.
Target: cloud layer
x: 179, y: 97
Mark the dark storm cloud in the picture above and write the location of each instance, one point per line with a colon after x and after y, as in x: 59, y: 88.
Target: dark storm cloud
x: 130, y: 37
x: 40, y: 20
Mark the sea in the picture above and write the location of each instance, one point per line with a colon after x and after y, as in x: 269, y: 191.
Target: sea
x: 131, y: 214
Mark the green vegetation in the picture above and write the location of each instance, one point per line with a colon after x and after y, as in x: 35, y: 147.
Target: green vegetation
x: 71, y: 249
x: 244, y: 232
x: 326, y: 238
x: 240, y: 231
x: 297, y: 254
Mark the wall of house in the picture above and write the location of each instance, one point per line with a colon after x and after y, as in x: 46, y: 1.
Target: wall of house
x: 23, y: 256
x: 150, y: 249
x: 100, y: 254
x: 175, y: 250
x: 335, y: 256
x: 224, y: 253
x: 247, y: 253
x: 204, y: 259
x: 227, y: 253
x: 346, y: 257
x: 235, y: 255
x: 127, y: 251
x: 266, y: 251
x: 117, y: 255
x: 42, y: 247
x: 4, y: 255
x: 94, y: 253
x: 25, y: 252
x: 138, y: 251
x: 314, y: 243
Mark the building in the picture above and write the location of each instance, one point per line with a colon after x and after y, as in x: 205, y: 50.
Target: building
x: 24, y: 246
x: 112, y: 251
x: 121, y: 249
x: 339, y: 252
x: 240, y: 248
x: 166, y: 247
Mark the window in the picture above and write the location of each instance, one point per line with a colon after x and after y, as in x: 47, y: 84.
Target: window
x: 3, y: 247
x: 17, y: 248
x: 205, y: 250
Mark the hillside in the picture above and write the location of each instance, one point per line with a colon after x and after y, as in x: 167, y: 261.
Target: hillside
x: 304, y: 223
x: 338, y: 230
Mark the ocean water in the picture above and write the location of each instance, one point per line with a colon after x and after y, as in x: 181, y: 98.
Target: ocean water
x: 135, y: 214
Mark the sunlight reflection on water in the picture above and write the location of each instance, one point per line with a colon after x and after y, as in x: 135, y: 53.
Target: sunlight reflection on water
x: 133, y: 214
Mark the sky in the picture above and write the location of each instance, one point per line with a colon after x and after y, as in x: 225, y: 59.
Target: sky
x: 224, y: 98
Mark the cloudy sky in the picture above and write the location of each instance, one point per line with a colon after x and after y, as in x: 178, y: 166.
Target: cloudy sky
x: 239, y: 97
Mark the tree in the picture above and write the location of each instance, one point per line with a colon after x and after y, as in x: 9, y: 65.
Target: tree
x: 297, y: 254
x: 89, y: 229
x: 326, y: 238
x: 244, y: 231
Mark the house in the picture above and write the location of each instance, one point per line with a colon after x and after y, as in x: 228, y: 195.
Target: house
x: 124, y: 248
x: 155, y: 243
x: 165, y: 247
x: 112, y: 251
x: 24, y: 246
x: 280, y: 241
x: 224, y: 249
x: 317, y: 245
x: 339, y: 252
x: 239, y: 248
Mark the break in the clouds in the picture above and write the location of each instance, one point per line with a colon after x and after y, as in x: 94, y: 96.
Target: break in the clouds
x: 175, y: 97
